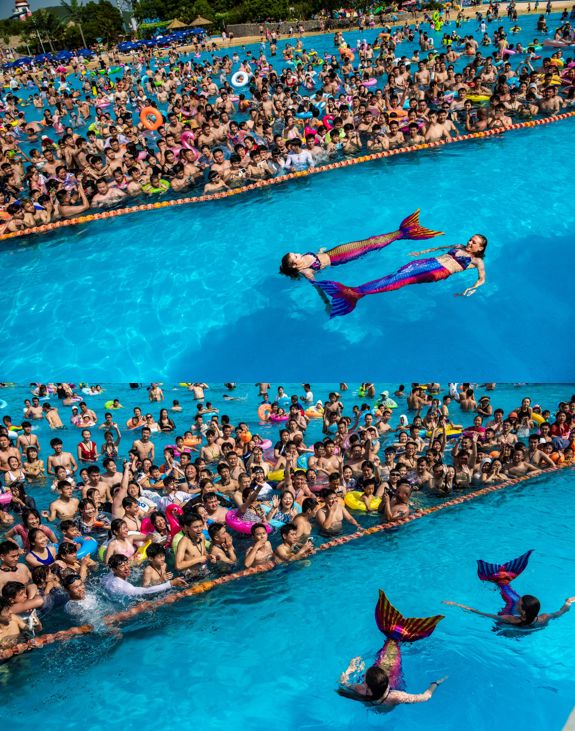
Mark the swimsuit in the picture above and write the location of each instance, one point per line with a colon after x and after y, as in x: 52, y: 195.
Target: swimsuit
x: 316, y: 264
x: 44, y: 561
x: 459, y: 255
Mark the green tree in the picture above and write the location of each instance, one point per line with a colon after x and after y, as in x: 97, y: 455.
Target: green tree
x: 74, y: 13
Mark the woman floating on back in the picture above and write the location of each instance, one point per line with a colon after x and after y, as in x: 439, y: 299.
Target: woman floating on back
x: 306, y: 265
x: 520, y: 611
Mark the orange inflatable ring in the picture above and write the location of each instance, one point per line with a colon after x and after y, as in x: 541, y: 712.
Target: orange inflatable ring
x: 151, y: 118
x: 264, y: 411
x: 192, y: 441
x: 245, y: 437
x: 131, y: 425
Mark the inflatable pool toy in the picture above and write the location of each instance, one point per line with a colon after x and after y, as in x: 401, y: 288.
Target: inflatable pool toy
x: 151, y: 118
x: 240, y: 79
x: 110, y: 405
x: 3, y: 404
x: 87, y: 546
x: 192, y: 441
x: 5, y: 498
x: 450, y: 432
x: 278, y: 418
x: 303, y: 459
x: 235, y: 522
x: 353, y: 501
x: 187, y: 139
x: 537, y: 418
x: 278, y: 523
x: 264, y: 411
x: 276, y: 476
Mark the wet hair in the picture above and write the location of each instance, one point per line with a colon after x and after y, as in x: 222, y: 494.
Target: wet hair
x: 117, y: 560
x: 255, y: 526
x: 484, y: 242
x: 288, y: 269
x: 287, y: 528
x: 377, y: 681
x: 155, y: 549
x: 8, y: 546
x: 70, y: 579
x: 214, y: 529
x: 308, y: 504
x: 10, y: 589
x: 531, y: 606
x: 67, y: 548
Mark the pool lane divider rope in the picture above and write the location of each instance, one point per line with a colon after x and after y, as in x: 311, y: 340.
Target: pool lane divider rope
x: 44, y: 228
x: 205, y: 586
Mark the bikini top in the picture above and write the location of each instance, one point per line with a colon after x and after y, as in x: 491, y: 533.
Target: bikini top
x: 463, y: 259
x: 316, y: 264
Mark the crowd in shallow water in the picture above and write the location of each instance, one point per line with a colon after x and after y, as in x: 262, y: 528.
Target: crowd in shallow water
x: 74, y: 139
x: 118, y: 518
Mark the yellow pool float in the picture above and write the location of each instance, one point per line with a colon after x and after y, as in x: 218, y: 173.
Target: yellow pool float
x: 354, y: 502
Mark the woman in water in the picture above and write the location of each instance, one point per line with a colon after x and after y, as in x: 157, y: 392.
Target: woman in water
x: 305, y: 265
x: 519, y: 611
x: 456, y: 259
x: 383, y: 682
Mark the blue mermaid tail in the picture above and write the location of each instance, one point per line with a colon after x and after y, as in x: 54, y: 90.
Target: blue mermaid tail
x: 502, y: 575
x: 420, y: 271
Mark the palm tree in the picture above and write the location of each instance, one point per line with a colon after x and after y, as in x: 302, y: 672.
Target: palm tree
x: 74, y: 12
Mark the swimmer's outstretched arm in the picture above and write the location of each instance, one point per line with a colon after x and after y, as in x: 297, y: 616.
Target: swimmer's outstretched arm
x: 428, y: 251
x: 499, y: 617
x: 565, y: 608
x: 480, y: 279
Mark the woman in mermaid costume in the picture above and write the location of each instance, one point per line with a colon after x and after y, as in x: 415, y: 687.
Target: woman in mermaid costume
x: 306, y: 265
x: 383, y: 682
x: 520, y: 611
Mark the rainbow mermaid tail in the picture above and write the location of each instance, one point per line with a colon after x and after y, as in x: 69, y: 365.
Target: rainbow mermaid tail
x: 398, y: 628
x: 344, y: 299
x: 502, y: 575
x: 409, y: 228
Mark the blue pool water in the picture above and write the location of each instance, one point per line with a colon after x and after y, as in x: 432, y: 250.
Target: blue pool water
x: 158, y: 293
x: 266, y: 652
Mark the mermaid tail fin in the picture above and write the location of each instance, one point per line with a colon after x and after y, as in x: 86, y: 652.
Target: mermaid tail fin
x: 411, y: 229
x: 397, y: 627
x: 503, y: 573
x: 343, y: 299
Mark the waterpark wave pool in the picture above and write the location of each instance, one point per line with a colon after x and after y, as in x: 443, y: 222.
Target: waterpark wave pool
x: 155, y: 292
x: 266, y: 651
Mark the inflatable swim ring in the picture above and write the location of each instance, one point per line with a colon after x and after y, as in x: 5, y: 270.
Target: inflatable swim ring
x: 110, y: 405
x: 353, y: 501
x: 151, y: 118
x: 276, y: 475
x: 234, y: 521
x: 240, y: 79
x: 277, y: 418
x: 88, y: 546
x: 264, y: 411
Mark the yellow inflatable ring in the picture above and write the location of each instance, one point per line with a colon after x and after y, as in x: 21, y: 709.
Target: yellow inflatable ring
x: 537, y: 418
x: 276, y: 475
x: 354, y: 502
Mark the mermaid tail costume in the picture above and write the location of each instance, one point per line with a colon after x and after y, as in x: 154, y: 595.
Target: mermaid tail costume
x: 502, y: 575
x: 409, y: 228
x: 398, y: 629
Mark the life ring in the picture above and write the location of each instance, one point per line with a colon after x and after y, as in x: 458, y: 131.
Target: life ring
x: 240, y: 79
x: 264, y: 411
x: 353, y: 500
x: 537, y: 418
x: 266, y: 444
x: 110, y: 405
x: 5, y: 498
x: 151, y: 118
x: 303, y: 460
x: 3, y: 404
x: 450, y: 433
x: 139, y: 425
x: 234, y: 521
x: 277, y: 418
x: 192, y: 441
x: 314, y: 412
x: 370, y: 82
x: 304, y: 115
x: 477, y: 97
x: 187, y: 140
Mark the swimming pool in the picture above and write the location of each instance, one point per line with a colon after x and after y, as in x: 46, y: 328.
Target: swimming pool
x: 266, y: 652
x: 157, y: 293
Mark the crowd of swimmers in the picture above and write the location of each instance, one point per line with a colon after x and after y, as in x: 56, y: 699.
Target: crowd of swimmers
x: 123, y: 517
x: 157, y: 123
